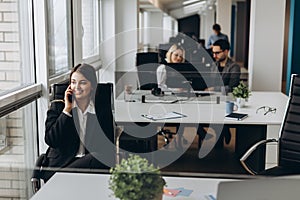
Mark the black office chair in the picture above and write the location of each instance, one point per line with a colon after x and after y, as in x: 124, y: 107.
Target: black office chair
x: 104, y: 106
x: 56, y: 94
x: 146, y: 64
x: 289, y: 140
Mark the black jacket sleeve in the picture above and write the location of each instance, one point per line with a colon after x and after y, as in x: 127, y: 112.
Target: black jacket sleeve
x: 60, y: 128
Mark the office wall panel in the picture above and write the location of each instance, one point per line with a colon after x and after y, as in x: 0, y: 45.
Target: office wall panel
x: 293, y: 65
x: 266, y: 44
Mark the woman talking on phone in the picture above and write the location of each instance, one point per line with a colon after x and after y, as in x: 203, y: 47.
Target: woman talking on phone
x: 72, y: 127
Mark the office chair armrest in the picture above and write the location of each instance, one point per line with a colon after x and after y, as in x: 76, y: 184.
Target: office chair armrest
x: 250, y: 151
x: 36, y: 184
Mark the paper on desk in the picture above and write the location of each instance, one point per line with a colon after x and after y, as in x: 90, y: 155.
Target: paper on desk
x: 184, y: 192
x: 169, y: 115
x: 171, y: 192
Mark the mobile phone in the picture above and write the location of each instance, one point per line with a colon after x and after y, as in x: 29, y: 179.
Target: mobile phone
x: 70, y: 97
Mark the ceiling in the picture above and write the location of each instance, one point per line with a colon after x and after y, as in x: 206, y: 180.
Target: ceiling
x: 176, y: 9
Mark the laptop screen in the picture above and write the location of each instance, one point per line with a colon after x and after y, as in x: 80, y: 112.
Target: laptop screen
x: 259, y: 189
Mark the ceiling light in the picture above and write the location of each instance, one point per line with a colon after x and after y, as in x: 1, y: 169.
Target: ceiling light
x: 189, y: 2
x: 195, y: 5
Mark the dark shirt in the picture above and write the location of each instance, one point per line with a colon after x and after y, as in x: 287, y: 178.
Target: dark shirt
x: 230, y: 76
x: 220, y: 68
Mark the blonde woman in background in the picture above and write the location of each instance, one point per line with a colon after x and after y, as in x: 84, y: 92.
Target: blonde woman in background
x: 176, y: 54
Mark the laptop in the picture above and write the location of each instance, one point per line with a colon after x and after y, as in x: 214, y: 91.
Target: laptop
x: 259, y: 189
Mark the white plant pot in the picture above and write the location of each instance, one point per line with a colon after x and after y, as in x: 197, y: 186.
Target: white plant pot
x: 240, y: 102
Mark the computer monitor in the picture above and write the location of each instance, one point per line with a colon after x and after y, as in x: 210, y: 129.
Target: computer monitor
x: 186, y: 75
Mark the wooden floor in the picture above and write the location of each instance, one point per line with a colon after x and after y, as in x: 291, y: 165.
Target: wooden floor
x: 221, y: 160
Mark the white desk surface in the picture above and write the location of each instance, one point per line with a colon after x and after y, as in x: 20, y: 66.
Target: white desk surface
x: 77, y: 186
x: 198, y: 111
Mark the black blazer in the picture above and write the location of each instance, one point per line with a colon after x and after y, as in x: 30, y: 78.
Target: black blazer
x: 63, y: 138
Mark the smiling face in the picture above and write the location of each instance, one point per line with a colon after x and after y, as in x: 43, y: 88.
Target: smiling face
x: 177, y: 56
x: 81, y: 87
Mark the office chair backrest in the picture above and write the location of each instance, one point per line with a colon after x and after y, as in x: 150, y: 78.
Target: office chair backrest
x: 58, y: 91
x: 147, y: 64
x: 289, y: 141
x: 146, y: 57
x: 104, y: 106
x: 162, y: 51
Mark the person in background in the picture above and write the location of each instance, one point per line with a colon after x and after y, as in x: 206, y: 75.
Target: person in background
x: 230, y: 74
x: 217, y: 35
x: 73, y: 133
x: 175, y: 54
x: 227, y: 68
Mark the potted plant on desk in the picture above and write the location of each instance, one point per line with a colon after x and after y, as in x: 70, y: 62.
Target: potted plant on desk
x: 241, y: 93
x: 136, y: 179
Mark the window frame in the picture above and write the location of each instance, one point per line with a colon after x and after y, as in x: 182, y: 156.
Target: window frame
x: 94, y: 60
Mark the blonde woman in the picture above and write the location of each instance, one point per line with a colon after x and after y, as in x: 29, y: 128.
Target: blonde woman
x: 175, y: 54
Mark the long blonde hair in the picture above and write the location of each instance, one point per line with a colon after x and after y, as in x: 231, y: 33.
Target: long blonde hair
x: 173, y: 48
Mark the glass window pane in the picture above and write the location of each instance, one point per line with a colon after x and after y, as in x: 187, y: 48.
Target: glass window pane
x: 17, y: 145
x: 14, y: 45
x: 59, y: 36
x: 90, y: 28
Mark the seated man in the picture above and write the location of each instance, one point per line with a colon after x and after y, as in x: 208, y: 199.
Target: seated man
x: 230, y: 73
x: 228, y: 69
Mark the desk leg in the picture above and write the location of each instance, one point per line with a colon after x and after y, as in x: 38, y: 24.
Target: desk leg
x: 248, y: 135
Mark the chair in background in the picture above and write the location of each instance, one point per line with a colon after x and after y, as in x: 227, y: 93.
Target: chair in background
x: 104, y: 106
x: 289, y: 140
x: 146, y: 64
x: 162, y: 51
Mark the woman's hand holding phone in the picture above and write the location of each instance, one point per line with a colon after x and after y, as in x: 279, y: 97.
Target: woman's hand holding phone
x: 68, y: 99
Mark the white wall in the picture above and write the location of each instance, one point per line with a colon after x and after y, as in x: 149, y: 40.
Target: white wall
x: 207, y: 21
x: 153, y: 34
x: 167, y: 25
x: 266, y: 44
x: 107, y: 46
x: 120, y: 41
x: 126, y: 34
x: 224, y: 16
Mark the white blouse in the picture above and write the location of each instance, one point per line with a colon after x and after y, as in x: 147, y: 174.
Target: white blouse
x: 161, y: 75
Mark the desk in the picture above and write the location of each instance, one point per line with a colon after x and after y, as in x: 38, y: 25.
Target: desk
x: 204, y: 112
x: 79, y: 186
x: 249, y: 131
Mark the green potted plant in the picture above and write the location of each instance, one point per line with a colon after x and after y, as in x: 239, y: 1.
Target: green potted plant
x: 134, y: 179
x: 241, y: 93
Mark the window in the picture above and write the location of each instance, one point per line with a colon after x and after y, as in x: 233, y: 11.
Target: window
x: 15, y: 46
x: 72, y: 38
x: 90, y: 28
x: 27, y: 67
x: 17, y: 147
x: 59, y: 36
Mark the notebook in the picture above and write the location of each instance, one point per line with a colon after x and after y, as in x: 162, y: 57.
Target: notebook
x: 236, y: 116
